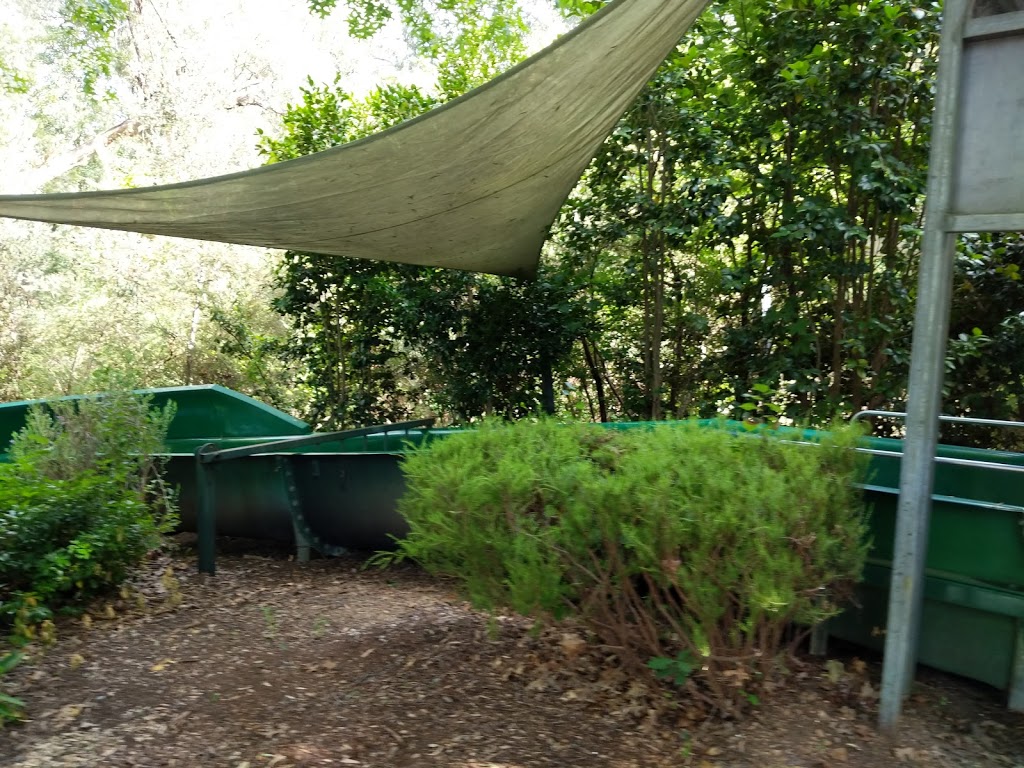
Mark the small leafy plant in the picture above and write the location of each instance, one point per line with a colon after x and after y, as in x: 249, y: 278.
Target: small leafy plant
x: 82, y: 501
x: 676, y: 671
x: 269, y: 620
x: 11, y: 708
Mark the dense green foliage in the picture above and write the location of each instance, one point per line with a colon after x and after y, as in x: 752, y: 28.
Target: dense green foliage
x: 378, y: 339
x: 745, y: 241
x: 757, y: 209
x: 469, y: 41
x: 86, y: 38
x: 752, y: 225
x: 755, y: 219
x: 77, y: 304
x: 678, y: 540
x: 985, y: 368
x: 83, y: 37
x: 81, y: 503
x: 10, y: 707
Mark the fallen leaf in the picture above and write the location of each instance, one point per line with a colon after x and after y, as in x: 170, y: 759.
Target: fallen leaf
x: 713, y: 751
x: 839, y: 754
x: 834, y: 669
x: 160, y: 666
x: 612, y: 676
x: 906, y: 754
x: 76, y: 660
x: 537, y: 684
x: 858, y: 666
x: 868, y: 692
x: 572, y: 644
x: 69, y: 712
x: 739, y: 676
x: 637, y: 690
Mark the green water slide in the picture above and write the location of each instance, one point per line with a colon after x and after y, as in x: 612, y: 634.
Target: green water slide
x: 207, y: 411
x: 265, y: 475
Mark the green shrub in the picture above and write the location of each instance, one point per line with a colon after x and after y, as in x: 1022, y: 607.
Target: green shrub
x: 677, y: 542
x: 82, y: 501
x: 484, y: 506
x: 11, y: 708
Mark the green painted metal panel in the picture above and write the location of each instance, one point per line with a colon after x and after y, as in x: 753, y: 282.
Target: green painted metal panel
x: 972, y: 541
x: 388, y: 442
x: 976, y: 543
x: 350, y: 500
x: 967, y: 629
x: 203, y: 413
x: 216, y: 412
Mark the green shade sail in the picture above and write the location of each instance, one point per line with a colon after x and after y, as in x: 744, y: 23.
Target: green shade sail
x: 472, y: 185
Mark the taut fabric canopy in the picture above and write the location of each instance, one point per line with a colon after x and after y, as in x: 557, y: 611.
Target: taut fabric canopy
x: 472, y: 185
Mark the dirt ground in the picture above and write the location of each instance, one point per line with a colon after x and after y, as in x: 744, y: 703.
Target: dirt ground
x: 272, y: 664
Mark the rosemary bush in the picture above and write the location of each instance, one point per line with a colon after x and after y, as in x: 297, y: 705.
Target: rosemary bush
x: 680, y: 541
x: 82, y: 501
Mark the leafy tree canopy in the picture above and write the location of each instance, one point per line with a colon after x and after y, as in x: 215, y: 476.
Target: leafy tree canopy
x: 747, y: 239
x: 380, y: 340
x: 81, y: 34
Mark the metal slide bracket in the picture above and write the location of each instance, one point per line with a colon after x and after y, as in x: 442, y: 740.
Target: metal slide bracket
x: 305, y: 536
x: 207, y: 457
x: 206, y: 503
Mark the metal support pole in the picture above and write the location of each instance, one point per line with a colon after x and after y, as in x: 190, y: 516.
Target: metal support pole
x: 819, y: 639
x: 917, y: 472
x: 927, y: 370
x: 302, y: 545
x: 206, y: 510
x: 291, y: 495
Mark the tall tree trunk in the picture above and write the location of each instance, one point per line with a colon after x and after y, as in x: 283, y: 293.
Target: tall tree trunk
x: 658, y: 328
x: 547, y: 386
x: 193, y: 333
x: 598, y: 379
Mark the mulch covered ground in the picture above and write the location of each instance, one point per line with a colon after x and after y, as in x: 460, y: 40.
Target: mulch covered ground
x: 275, y: 664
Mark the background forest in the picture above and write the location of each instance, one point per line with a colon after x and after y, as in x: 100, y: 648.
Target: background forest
x: 745, y: 242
